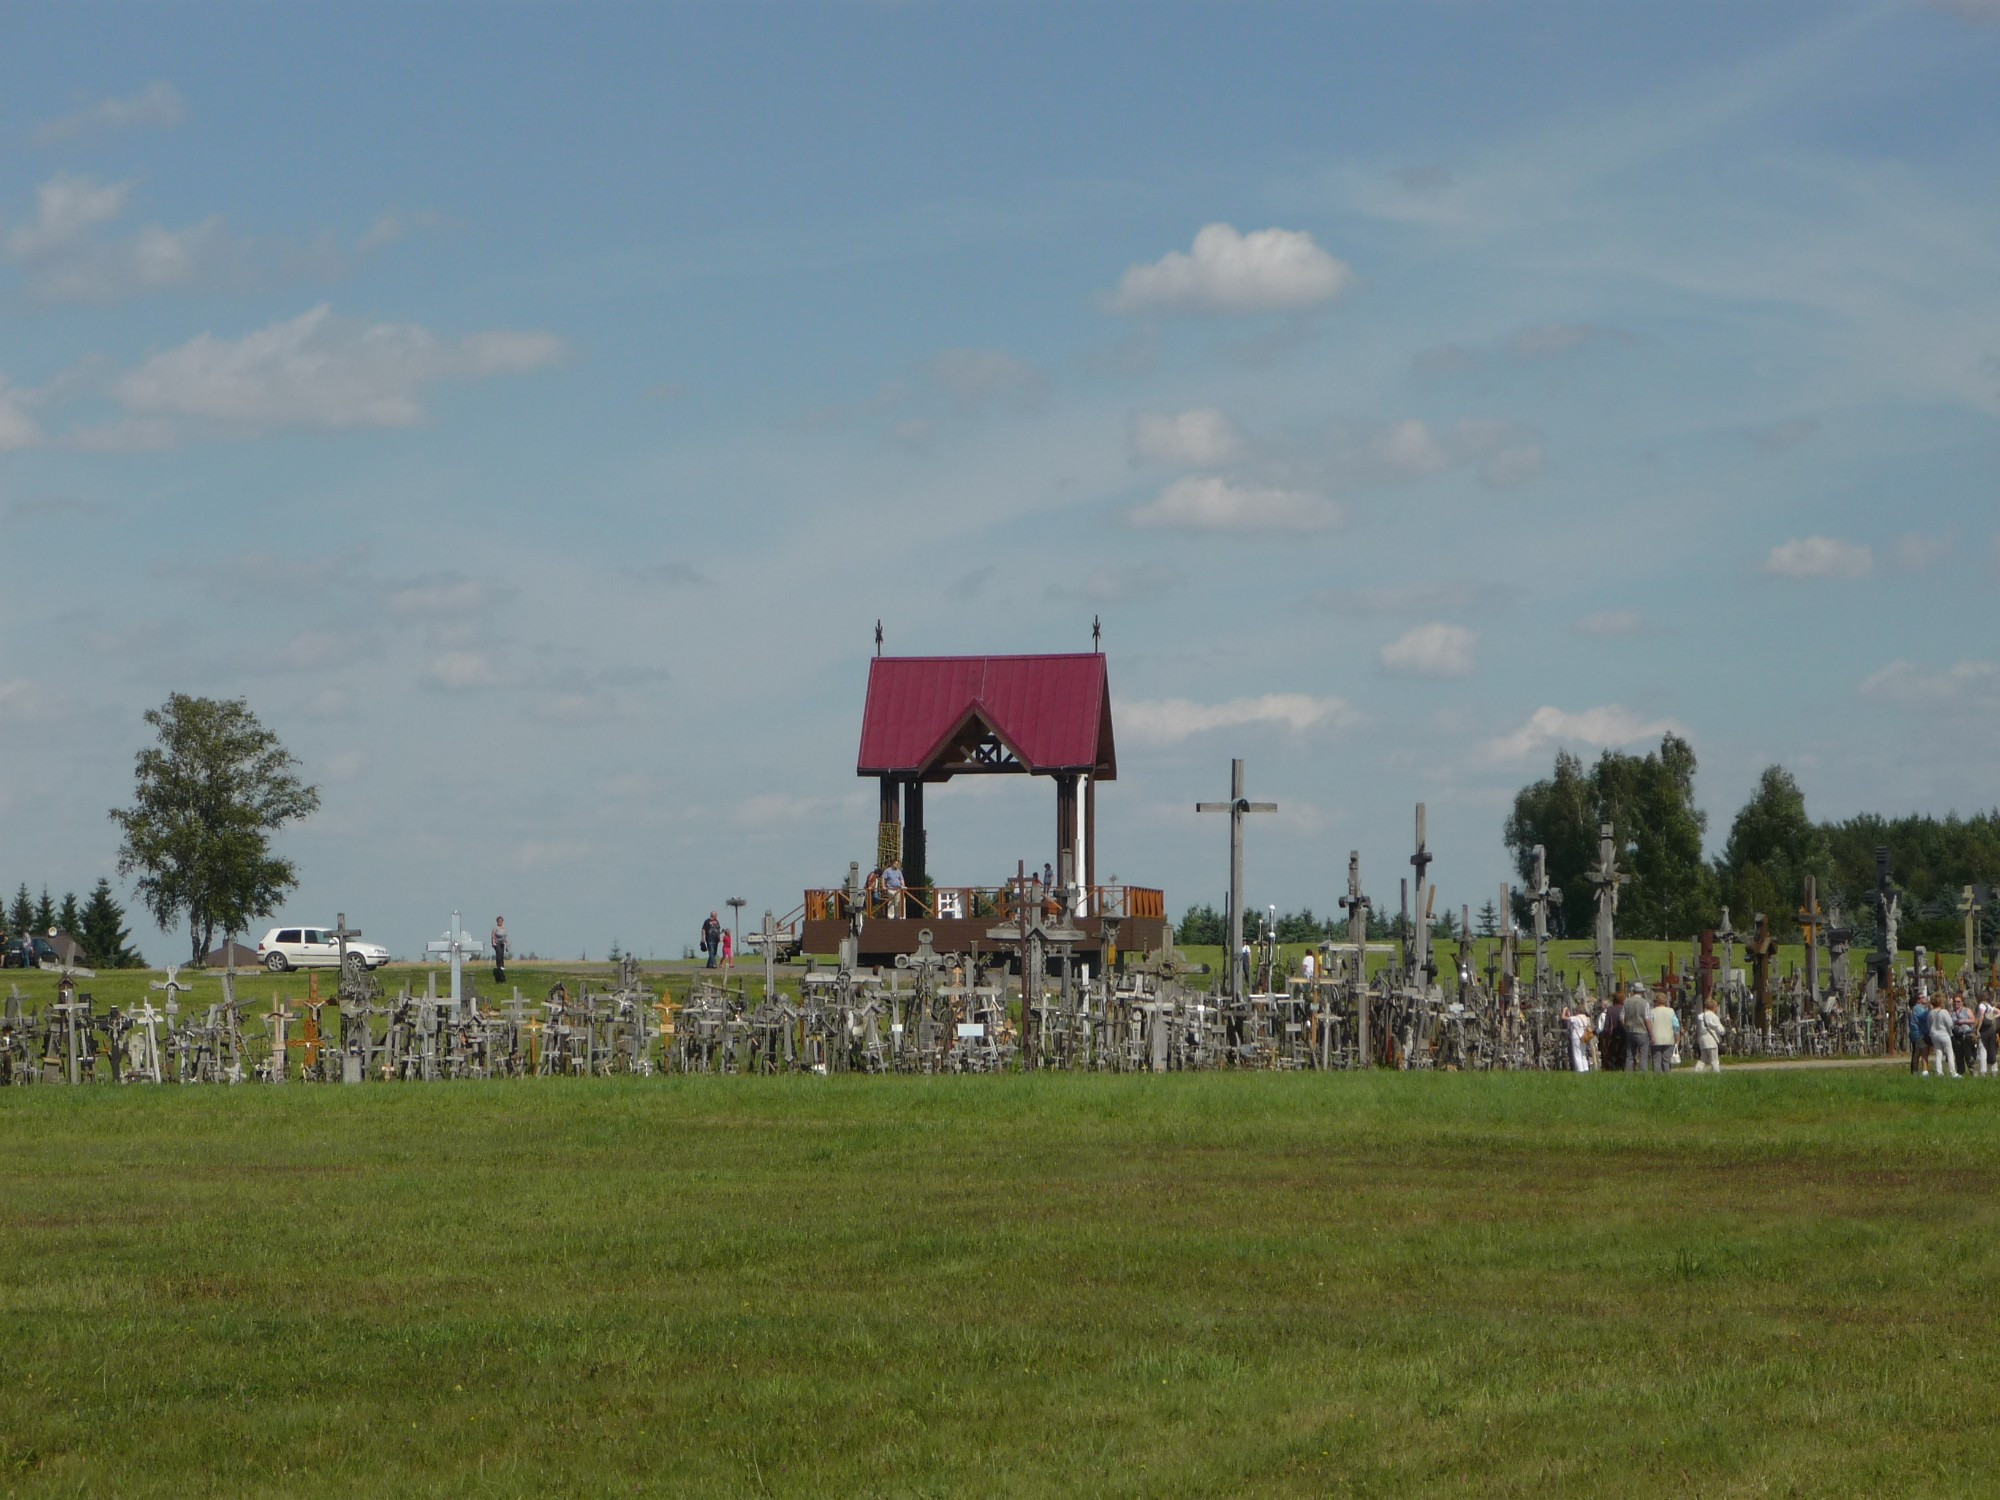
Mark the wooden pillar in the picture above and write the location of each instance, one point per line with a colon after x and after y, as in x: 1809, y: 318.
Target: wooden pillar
x: 1090, y: 838
x: 889, y: 835
x: 1065, y: 821
x: 914, y: 859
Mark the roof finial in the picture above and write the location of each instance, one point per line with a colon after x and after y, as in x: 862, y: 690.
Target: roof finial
x: 1097, y: 635
x: 878, y: 637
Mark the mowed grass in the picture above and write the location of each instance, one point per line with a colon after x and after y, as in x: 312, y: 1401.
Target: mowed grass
x: 1382, y: 1284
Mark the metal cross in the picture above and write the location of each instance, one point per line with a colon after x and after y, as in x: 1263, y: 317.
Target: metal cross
x: 341, y: 934
x: 1607, y: 877
x: 1236, y: 807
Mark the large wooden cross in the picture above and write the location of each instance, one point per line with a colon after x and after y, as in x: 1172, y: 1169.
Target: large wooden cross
x: 1761, y: 949
x: 1811, y: 920
x: 1237, y: 806
x: 1356, y: 906
x: 1705, y: 968
x: 1607, y: 877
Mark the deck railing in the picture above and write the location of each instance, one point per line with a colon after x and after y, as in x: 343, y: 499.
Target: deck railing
x: 978, y: 903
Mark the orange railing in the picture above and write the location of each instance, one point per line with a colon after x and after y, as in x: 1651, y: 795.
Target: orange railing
x: 993, y: 903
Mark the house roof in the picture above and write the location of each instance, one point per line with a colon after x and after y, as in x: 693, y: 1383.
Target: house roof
x: 1053, y: 713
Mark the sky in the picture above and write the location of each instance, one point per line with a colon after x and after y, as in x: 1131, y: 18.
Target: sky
x: 530, y: 410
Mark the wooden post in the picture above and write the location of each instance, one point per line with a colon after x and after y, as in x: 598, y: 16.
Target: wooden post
x: 1090, y: 839
x: 915, y: 863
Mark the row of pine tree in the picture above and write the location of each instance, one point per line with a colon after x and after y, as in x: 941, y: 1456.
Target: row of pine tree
x: 98, y: 924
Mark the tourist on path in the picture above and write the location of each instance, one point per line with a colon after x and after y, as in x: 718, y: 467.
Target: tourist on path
x: 1989, y: 1034
x: 711, y: 938
x: 1638, y: 1051
x: 1920, y: 1031
x: 1940, y: 1021
x: 1708, y: 1029
x: 499, y: 941
x: 1964, y: 1035
x: 1661, y: 1024
x: 1610, y: 1036
x: 1577, y: 1019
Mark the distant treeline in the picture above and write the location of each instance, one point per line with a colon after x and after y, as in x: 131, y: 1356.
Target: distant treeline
x: 98, y: 924
x: 1674, y: 891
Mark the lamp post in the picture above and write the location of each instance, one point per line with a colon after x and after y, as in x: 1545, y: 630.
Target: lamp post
x: 736, y: 905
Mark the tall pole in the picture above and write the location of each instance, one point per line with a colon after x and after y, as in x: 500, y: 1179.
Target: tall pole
x: 1236, y: 807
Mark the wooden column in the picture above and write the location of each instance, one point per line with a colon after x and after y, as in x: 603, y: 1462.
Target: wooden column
x: 914, y: 854
x: 1065, y: 819
x: 889, y: 845
x: 1090, y: 839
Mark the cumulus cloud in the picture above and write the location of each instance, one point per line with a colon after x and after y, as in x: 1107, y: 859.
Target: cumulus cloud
x: 1906, y: 682
x: 1604, y: 727
x: 1198, y: 439
x: 1818, y: 557
x: 317, y: 370
x: 65, y: 260
x: 462, y: 671
x: 67, y: 207
x: 1610, y: 624
x: 158, y: 105
x: 1225, y: 272
x: 17, y: 428
x: 1434, y: 650
x: 1168, y: 721
x: 1119, y: 585
x: 1210, y: 503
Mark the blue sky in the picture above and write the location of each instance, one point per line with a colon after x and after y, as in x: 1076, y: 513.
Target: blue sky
x: 530, y: 410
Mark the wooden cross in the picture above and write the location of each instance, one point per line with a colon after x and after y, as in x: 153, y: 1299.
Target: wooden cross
x: 1542, y: 899
x: 341, y: 934
x: 1761, y: 948
x: 1705, y: 967
x: 1356, y: 906
x: 1811, y: 920
x: 1970, y: 905
x: 1607, y: 877
x: 770, y: 934
x: 1421, y: 962
x: 280, y: 1013
x: 1237, y: 806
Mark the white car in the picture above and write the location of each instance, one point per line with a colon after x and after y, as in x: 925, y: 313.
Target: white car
x: 285, y: 948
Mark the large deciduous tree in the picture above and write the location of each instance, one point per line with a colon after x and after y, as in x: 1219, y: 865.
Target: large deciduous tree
x: 1772, y: 847
x: 208, y: 798
x: 1649, y: 802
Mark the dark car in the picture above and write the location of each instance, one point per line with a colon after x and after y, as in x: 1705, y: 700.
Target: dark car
x: 28, y: 953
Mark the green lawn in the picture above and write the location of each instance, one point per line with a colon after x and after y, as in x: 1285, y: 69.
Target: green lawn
x: 1385, y: 1284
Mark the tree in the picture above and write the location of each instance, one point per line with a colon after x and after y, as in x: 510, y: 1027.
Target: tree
x: 1772, y: 847
x: 21, y: 916
x: 68, y: 917
x: 102, y: 932
x: 1489, y: 920
x: 1202, y: 925
x: 207, y: 799
x: 45, y: 913
x: 1560, y: 814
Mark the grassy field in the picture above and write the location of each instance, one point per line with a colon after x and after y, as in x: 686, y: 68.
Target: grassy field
x: 1381, y: 1284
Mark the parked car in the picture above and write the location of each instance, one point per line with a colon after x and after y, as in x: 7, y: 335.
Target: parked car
x: 285, y: 948
x: 26, y: 952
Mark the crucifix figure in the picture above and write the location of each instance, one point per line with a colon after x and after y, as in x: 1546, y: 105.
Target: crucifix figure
x: 1542, y: 897
x: 1237, y: 806
x: 770, y: 934
x: 1423, y: 967
x: 1839, y: 942
x: 1761, y: 949
x: 1811, y: 921
x: 1509, y: 960
x: 1884, y: 960
x: 1356, y: 906
x: 1969, y: 904
x: 1607, y: 877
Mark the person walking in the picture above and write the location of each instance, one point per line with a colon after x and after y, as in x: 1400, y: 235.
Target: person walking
x: 892, y: 889
x: 1989, y: 1025
x: 1577, y: 1019
x: 1661, y: 1023
x: 1920, y: 1031
x: 1964, y: 1034
x: 1610, y: 1027
x: 499, y: 941
x: 1638, y: 1034
x: 711, y: 938
x: 1940, y: 1021
x: 1708, y: 1030
x: 728, y: 950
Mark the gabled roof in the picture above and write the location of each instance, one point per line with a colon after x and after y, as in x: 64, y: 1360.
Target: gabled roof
x: 1052, y: 712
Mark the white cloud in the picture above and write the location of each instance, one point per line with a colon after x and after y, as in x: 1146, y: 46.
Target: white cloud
x: 67, y: 208
x: 461, y: 671
x: 1410, y: 449
x: 1198, y: 439
x: 1434, y: 650
x: 1610, y: 624
x: 1607, y: 726
x: 1906, y: 682
x: 1266, y: 271
x: 158, y: 104
x: 1209, y: 503
x: 1819, y: 557
x: 1168, y: 721
x: 1116, y: 585
x: 317, y: 370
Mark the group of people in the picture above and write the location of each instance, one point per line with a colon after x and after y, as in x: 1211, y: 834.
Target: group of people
x: 1641, y: 1035
x: 1953, y: 1039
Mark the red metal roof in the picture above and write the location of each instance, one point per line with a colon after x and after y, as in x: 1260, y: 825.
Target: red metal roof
x: 1053, y: 712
